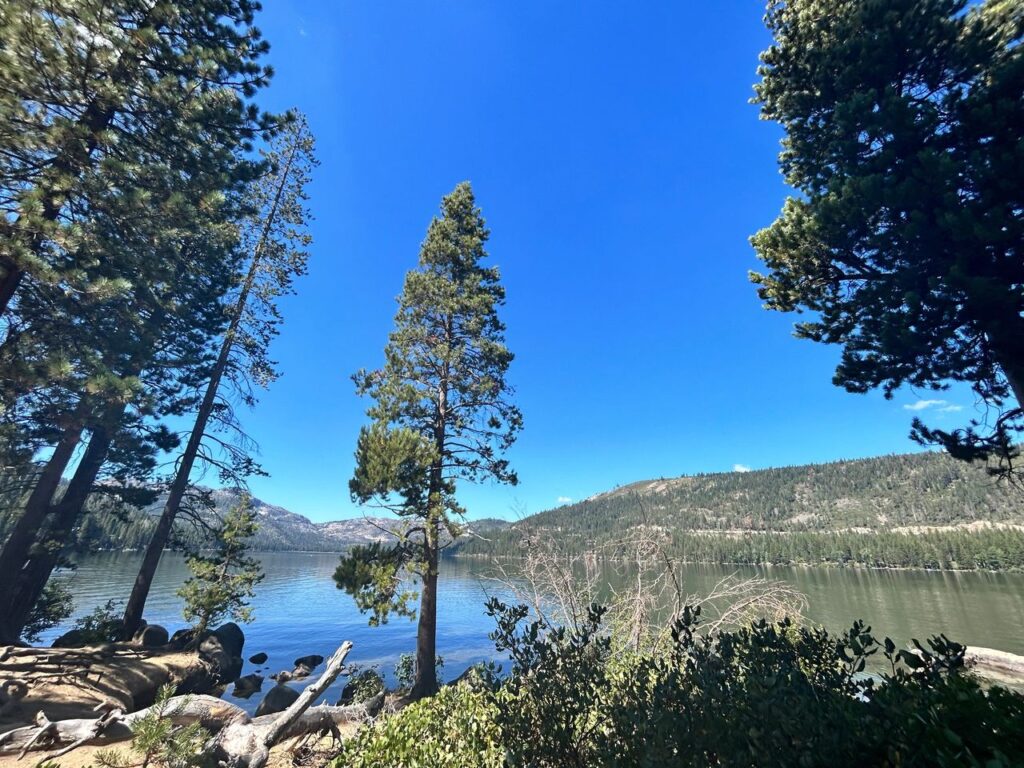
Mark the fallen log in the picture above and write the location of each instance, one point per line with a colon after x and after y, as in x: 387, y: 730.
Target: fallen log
x: 237, y: 740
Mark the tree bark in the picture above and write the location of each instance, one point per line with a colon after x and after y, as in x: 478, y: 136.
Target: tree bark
x: 23, y: 533
x: 158, y: 542
x: 31, y: 580
x: 425, y: 683
x: 241, y: 741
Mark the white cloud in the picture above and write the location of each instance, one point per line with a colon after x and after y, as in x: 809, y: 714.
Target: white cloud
x: 921, y: 405
x: 951, y: 409
x: 564, y: 500
x: 740, y: 468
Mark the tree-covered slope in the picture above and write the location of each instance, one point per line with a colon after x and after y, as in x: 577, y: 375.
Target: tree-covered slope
x: 922, y: 509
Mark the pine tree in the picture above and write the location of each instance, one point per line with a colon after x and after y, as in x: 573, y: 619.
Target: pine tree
x: 224, y: 580
x: 903, y: 124
x: 275, y: 234
x: 94, y: 93
x: 441, y: 412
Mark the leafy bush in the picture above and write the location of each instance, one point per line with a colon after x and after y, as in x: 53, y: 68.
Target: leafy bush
x: 102, y: 625
x: 362, y: 686
x: 457, y: 728
x: 769, y: 694
x: 405, y: 670
x: 54, y: 605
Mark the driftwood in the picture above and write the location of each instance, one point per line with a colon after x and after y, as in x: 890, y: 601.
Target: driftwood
x: 238, y: 740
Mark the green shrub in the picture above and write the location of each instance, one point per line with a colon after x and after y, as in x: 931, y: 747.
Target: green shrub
x: 457, y: 728
x: 769, y: 694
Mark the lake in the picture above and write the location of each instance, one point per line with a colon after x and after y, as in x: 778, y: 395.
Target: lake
x: 298, y: 610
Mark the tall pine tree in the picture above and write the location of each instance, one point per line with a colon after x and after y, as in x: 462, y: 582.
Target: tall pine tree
x: 274, y: 235
x: 441, y: 412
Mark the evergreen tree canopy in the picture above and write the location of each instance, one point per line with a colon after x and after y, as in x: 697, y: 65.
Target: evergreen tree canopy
x: 441, y: 412
x: 903, y: 140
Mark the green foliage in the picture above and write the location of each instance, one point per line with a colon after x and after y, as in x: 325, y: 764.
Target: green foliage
x: 903, y: 242
x: 457, y: 728
x: 101, y: 625
x: 222, y: 582
x: 405, y: 670
x: 910, y: 511
x: 156, y: 740
x: 441, y: 412
x: 362, y: 686
x: 53, y: 607
x: 768, y: 694
x: 372, y: 575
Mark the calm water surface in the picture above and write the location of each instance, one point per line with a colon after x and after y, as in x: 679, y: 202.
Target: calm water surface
x: 298, y: 610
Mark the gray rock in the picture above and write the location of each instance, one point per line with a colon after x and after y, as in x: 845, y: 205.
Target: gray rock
x: 278, y: 699
x: 72, y: 639
x: 311, y: 662
x: 247, y: 686
x: 222, y: 649
x: 259, y: 658
x: 151, y: 636
x: 231, y: 637
x: 181, y: 638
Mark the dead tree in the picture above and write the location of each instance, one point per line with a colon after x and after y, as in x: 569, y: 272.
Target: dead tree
x: 237, y: 740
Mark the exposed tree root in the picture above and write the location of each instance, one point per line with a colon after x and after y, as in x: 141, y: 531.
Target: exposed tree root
x: 238, y: 740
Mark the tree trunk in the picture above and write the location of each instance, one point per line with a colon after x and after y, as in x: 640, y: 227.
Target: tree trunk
x: 425, y: 683
x: 158, y: 542
x: 16, y: 550
x: 32, y: 578
x: 240, y: 740
x: 37, y: 505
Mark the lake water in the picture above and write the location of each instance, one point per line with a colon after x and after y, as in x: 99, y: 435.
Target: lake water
x: 298, y: 610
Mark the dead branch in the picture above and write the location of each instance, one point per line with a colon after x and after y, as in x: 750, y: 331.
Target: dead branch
x: 240, y: 741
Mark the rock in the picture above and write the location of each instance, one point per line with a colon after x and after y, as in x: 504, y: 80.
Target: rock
x: 300, y: 672
x: 311, y: 662
x: 278, y: 699
x: 151, y: 636
x: 222, y: 649
x: 73, y: 639
x: 181, y: 638
x: 259, y: 658
x: 231, y: 637
x: 282, y: 677
x: 247, y: 686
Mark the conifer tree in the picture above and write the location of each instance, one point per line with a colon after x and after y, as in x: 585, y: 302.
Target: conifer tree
x: 441, y: 412
x: 274, y: 234
x: 94, y: 93
x: 905, y: 240
x: 223, y: 580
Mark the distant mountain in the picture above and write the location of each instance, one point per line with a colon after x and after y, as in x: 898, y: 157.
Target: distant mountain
x: 279, y: 529
x: 864, y: 511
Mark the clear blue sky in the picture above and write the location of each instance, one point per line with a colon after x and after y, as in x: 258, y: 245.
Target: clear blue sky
x: 621, y: 170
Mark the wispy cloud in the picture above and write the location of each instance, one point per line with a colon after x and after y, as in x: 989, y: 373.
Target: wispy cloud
x: 302, y: 31
x: 740, y: 468
x: 923, y: 405
x: 564, y: 500
x: 951, y: 408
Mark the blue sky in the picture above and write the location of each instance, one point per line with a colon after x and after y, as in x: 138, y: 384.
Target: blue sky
x: 621, y: 170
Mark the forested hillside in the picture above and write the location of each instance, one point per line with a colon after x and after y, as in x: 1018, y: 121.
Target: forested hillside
x: 924, y: 510
x: 109, y: 525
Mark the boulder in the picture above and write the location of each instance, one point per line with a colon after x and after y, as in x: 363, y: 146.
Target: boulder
x: 247, y: 686
x: 231, y: 637
x: 311, y: 662
x: 259, y: 658
x: 300, y: 672
x: 74, y: 638
x: 181, y: 638
x: 151, y: 636
x: 278, y: 699
x: 222, y: 649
